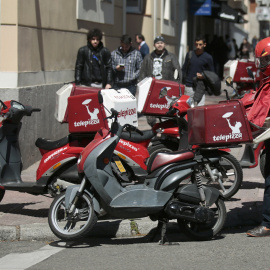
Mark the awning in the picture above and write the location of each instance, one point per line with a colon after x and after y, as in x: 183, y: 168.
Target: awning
x: 224, y: 12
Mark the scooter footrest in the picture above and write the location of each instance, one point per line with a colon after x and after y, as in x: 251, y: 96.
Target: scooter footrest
x: 29, y: 187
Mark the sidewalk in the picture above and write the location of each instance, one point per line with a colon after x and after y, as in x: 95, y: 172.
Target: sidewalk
x: 24, y: 216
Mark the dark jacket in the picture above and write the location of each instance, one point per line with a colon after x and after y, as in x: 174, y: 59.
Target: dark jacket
x: 169, y: 65
x: 84, y: 65
x: 211, y: 84
x: 144, y: 50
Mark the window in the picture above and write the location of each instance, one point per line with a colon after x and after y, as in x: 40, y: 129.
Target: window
x: 100, y: 11
x: 135, y: 6
x: 168, y: 17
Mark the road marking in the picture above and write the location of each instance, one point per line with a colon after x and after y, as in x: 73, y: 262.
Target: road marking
x: 21, y: 261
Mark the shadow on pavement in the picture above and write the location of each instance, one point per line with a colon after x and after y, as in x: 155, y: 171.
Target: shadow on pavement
x: 19, y: 208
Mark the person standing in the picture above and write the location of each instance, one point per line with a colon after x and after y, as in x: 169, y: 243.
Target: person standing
x: 160, y: 64
x: 143, y: 47
x: 93, y: 65
x: 126, y: 63
x: 257, y: 115
x: 235, y: 48
x: 245, y: 49
x: 230, y: 48
x: 195, y: 63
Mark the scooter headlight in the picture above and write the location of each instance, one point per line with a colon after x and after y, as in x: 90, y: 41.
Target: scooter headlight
x: 191, y: 102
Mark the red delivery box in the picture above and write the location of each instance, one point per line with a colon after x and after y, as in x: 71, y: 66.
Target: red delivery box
x: 237, y: 69
x: 86, y: 113
x: 221, y: 124
x: 62, y: 95
x: 148, y: 95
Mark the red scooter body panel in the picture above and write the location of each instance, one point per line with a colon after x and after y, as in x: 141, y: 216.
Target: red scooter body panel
x: 221, y: 124
x: 101, y: 135
x: 53, y: 157
x: 136, y: 151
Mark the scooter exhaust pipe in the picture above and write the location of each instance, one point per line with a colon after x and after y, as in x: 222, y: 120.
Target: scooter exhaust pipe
x: 190, y: 212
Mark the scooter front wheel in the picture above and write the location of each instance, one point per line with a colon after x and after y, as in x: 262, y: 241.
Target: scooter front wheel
x: 206, y: 231
x: 75, y: 225
x: 2, y: 193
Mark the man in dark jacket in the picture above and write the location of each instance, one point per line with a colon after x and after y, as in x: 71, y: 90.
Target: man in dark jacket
x: 94, y: 65
x: 143, y: 47
x: 160, y: 63
x: 195, y: 63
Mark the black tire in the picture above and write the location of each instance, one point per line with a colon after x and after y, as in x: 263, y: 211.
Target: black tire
x: 262, y: 162
x: 2, y: 193
x: 206, y: 231
x: 228, y: 170
x: 58, y: 219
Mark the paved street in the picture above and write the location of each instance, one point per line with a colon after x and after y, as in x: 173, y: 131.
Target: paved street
x: 24, y: 217
x: 233, y: 250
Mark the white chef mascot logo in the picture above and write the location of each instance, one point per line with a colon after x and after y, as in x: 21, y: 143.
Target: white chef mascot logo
x: 235, y: 128
x: 93, y: 115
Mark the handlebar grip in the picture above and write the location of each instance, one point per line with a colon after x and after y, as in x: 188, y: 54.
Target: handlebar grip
x: 171, y: 111
x: 36, y: 110
x: 7, y: 115
x: 139, y: 132
x: 114, y: 112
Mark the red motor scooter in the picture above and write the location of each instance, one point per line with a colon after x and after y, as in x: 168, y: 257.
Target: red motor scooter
x: 199, y: 210
x: 57, y: 156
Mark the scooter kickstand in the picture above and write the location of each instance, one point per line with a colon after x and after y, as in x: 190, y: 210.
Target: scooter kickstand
x: 164, y: 239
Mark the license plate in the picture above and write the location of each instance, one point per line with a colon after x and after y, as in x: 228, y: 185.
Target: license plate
x: 120, y: 166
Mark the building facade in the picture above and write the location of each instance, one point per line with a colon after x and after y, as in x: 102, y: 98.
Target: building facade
x: 39, y: 41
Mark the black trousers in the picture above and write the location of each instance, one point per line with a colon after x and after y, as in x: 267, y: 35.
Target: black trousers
x: 266, y: 197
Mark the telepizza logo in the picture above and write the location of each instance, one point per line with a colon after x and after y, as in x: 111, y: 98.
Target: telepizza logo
x: 127, y: 112
x: 55, y: 154
x: 93, y: 116
x: 126, y: 143
x: 162, y: 106
x: 235, y: 134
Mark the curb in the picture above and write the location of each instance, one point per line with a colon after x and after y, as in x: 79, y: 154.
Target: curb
x: 115, y: 228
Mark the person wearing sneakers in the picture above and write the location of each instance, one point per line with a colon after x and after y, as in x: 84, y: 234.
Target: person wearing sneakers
x: 257, y: 115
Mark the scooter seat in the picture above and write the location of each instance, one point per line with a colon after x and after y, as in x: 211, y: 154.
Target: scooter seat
x: 135, y: 137
x: 46, y: 144
x: 163, y: 158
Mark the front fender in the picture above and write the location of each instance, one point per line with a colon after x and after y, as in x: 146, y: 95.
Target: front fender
x: 71, y: 192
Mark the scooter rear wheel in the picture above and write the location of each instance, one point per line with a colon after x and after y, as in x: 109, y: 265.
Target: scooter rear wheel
x: 72, y: 226
x: 205, y: 231
x: 227, y: 172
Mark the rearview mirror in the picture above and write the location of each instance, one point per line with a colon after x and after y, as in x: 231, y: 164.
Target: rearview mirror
x: 163, y: 92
